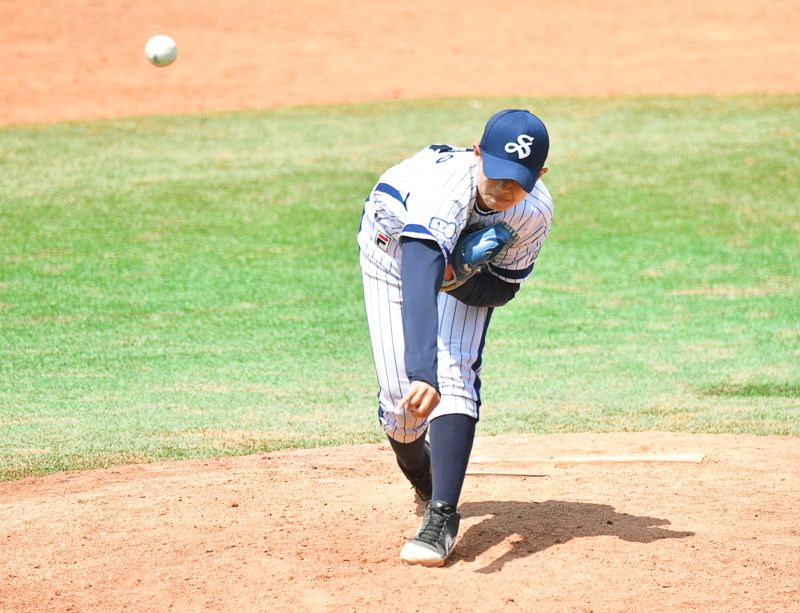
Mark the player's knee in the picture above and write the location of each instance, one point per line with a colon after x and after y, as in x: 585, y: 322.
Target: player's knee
x: 401, y: 430
x: 404, y: 436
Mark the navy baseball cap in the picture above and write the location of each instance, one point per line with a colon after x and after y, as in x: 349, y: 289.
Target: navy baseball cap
x: 514, y: 146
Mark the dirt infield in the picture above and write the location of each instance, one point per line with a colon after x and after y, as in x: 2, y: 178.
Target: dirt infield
x: 321, y: 529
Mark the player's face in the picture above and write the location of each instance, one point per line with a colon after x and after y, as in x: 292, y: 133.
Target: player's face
x: 497, y: 194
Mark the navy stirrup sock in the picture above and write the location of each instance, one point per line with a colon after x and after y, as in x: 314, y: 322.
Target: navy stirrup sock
x: 451, y: 445
x: 410, y: 456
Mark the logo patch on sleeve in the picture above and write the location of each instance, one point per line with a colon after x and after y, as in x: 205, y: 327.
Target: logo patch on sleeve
x: 382, y: 240
x: 442, y: 228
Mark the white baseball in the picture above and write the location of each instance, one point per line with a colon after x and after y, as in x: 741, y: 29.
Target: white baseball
x: 161, y: 50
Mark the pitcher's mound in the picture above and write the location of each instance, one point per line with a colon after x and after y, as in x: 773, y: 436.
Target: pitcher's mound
x: 322, y: 529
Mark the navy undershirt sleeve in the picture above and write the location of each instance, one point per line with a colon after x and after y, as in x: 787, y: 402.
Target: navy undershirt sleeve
x: 422, y: 273
x: 485, y: 290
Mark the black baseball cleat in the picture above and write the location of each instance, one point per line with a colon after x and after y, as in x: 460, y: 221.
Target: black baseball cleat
x: 436, y: 536
x: 422, y: 482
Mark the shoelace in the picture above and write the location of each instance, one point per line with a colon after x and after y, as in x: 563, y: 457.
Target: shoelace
x: 433, y: 528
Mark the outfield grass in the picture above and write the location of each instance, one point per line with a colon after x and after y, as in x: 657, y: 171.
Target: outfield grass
x: 185, y: 287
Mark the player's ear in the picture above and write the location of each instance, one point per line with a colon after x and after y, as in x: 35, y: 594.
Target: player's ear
x: 477, y: 149
x: 543, y: 172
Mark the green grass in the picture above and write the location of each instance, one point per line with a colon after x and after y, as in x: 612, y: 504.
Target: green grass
x: 189, y: 286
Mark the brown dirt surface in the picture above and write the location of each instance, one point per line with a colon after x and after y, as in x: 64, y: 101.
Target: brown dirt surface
x: 321, y: 529
x: 84, y: 59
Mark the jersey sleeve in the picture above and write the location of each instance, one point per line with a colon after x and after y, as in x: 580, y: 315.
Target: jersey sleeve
x: 438, y: 204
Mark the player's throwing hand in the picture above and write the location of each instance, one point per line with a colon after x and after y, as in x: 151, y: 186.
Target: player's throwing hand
x: 421, y: 399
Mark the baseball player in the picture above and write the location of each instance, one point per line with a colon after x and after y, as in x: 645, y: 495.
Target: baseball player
x: 446, y: 236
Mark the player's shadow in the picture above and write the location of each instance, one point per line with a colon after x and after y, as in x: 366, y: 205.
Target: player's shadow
x: 536, y: 526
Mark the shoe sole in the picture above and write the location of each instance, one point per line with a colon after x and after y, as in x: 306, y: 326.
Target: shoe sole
x: 412, y: 554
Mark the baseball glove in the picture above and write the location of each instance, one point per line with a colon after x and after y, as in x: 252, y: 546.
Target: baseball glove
x: 476, y: 249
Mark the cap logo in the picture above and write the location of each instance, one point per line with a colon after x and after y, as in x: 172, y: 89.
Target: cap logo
x: 522, y: 147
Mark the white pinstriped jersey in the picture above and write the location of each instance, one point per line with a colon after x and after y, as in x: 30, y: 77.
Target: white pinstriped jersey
x: 433, y: 195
